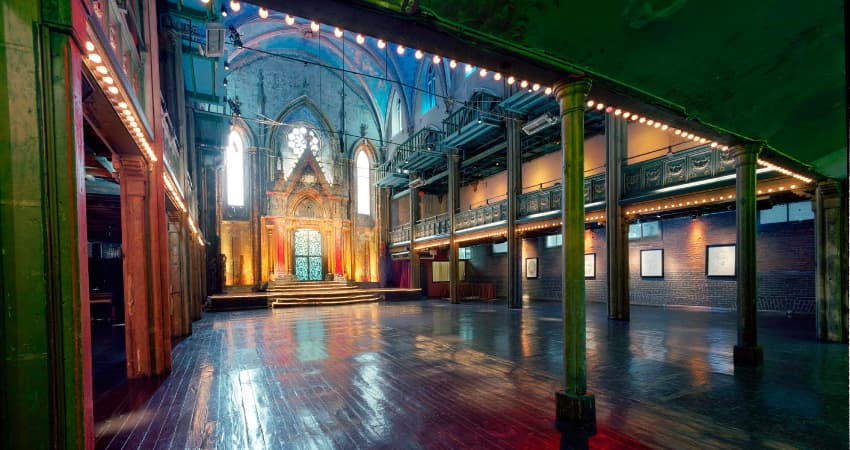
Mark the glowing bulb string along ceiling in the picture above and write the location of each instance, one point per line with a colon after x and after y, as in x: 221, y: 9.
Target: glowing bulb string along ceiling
x: 483, y: 73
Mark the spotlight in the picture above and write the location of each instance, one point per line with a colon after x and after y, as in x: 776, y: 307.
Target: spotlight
x: 224, y: 82
x: 226, y: 66
x: 223, y: 11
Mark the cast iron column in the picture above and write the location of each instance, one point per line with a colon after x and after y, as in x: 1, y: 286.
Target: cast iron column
x: 616, y: 232
x: 747, y: 352
x: 575, y: 408
x: 413, y: 195
x: 514, y: 142
x: 454, y: 188
x: 831, y: 261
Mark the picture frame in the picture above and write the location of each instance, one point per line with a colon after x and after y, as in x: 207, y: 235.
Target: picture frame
x: 531, y: 268
x: 590, y: 266
x: 720, y: 260
x: 652, y: 263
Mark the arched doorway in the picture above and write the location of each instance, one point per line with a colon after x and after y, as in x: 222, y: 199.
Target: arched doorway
x: 308, y: 255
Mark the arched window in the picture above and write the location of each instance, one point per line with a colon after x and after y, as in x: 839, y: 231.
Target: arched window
x: 364, y: 198
x: 429, y: 89
x: 395, y: 115
x: 235, y: 170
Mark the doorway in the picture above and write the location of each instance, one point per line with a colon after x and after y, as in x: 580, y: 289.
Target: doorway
x: 308, y: 255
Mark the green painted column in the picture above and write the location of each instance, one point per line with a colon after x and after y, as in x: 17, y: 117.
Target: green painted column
x: 45, y: 374
x: 617, y: 229
x: 575, y: 407
x: 831, y: 261
x: 514, y: 143
x: 747, y: 352
x: 454, y: 201
x: 413, y: 197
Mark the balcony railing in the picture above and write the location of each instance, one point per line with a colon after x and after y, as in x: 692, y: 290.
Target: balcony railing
x: 433, y: 226
x: 695, y: 164
x: 400, y: 234
x: 472, y: 112
x: 120, y: 26
x: 484, y: 215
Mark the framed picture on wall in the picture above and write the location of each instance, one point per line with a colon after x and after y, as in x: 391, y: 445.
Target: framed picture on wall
x: 720, y: 260
x: 652, y: 263
x: 530, y: 268
x: 590, y: 265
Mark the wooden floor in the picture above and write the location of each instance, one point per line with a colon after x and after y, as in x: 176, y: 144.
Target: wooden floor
x: 428, y: 374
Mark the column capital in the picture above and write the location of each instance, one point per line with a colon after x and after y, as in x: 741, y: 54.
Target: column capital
x: 828, y: 188
x: 569, y: 87
x: 453, y: 154
x: 132, y: 166
x: 746, y: 150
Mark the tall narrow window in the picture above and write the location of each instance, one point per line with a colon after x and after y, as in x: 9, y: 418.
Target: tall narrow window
x: 395, y: 115
x: 429, y: 88
x: 364, y: 200
x: 235, y: 171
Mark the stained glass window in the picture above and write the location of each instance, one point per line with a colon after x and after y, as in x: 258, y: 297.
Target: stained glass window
x: 235, y: 170
x: 363, y: 186
x: 300, y: 139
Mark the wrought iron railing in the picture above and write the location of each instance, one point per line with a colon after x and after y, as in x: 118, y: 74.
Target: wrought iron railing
x: 433, y: 226
x: 484, y: 215
x: 400, y: 234
x: 477, y: 110
x: 676, y: 168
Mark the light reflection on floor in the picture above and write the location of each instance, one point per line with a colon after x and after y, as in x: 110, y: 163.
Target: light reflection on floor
x: 429, y: 374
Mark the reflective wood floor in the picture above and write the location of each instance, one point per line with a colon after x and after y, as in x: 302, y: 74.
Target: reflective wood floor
x: 433, y: 375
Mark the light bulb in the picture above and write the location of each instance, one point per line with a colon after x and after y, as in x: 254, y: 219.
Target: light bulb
x: 590, y: 103
x: 650, y: 122
x: 626, y: 115
x: 468, y: 68
x: 664, y: 127
x: 289, y: 20
x: 482, y: 72
x: 436, y: 59
x: 264, y: 13
x: 511, y: 80
x: 523, y: 84
x: 382, y: 43
x: 95, y: 58
x: 122, y: 105
x: 677, y: 132
x: 102, y: 70
x: 400, y: 49
x: 657, y: 124
x: 618, y: 111
x: 418, y: 54
x: 89, y: 46
x: 452, y: 64
x: 497, y: 76
x: 314, y: 26
x: 643, y: 120
x: 548, y: 91
x: 113, y: 89
x: 235, y: 5
x: 535, y: 87
x: 108, y: 80
x: 360, y: 39
x: 609, y: 109
x: 338, y: 32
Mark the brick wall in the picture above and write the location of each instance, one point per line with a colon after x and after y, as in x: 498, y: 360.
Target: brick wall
x: 785, y: 266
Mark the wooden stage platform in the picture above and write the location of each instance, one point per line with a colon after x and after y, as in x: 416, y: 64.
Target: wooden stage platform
x: 318, y: 293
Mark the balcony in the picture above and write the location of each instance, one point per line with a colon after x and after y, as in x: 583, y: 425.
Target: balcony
x: 697, y: 164
x: 475, y: 124
x: 419, y: 152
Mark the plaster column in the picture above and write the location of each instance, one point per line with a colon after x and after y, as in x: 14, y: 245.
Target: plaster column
x: 575, y: 407
x: 514, y: 143
x: 256, y: 222
x: 413, y: 197
x: 831, y: 261
x: 454, y: 199
x: 617, y: 229
x: 747, y: 352
x: 45, y: 374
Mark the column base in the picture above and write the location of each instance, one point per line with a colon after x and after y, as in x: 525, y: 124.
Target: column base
x: 575, y: 414
x: 748, y: 356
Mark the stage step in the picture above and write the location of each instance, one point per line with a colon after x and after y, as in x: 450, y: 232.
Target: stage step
x: 315, y: 302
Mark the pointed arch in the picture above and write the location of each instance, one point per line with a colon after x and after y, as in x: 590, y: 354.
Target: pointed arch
x: 234, y: 167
